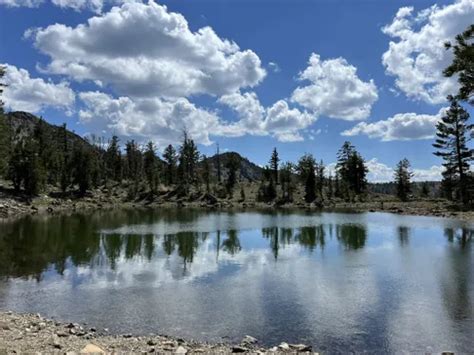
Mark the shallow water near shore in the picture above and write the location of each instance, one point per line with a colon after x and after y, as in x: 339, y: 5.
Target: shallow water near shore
x: 341, y: 282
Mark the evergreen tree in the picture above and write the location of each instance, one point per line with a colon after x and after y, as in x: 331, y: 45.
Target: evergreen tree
x: 403, y: 177
x: 65, y: 160
x: 84, y: 163
x: 425, y: 189
x: 320, y: 180
x: 463, y: 64
x: 170, y: 157
x: 113, y: 161
x: 306, y: 170
x: 150, y: 167
x: 218, y: 163
x: 453, y: 132
x: 232, y: 165
x: 287, y: 186
x: 351, y: 170
x: 206, y: 173
x: 134, y: 166
x: 188, y: 160
x: 274, y: 160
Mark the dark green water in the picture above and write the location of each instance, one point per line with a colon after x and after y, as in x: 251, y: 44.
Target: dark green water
x: 341, y: 282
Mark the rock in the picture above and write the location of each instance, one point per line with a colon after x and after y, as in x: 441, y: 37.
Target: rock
x: 93, y: 330
x: 55, y: 342
x: 72, y: 331
x: 301, y: 347
x: 70, y: 326
x: 92, y: 349
x: 248, y: 340
x: 151, y: 342
x: 238, y: 349
x: 284, y: 346
x: 61, y: 334
x: 127, y: 335
x: 181, y: 350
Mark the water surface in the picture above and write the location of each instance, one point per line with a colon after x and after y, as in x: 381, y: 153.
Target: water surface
x: 339, y: 281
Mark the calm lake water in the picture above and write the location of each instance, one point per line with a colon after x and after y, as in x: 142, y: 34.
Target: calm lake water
x: 339, y: 281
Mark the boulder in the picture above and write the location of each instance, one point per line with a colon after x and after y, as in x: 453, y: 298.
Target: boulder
x: 92, y: 349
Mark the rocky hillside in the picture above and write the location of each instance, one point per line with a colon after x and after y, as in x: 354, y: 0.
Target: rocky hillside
x: 248, y: 170
x: 23, y: 124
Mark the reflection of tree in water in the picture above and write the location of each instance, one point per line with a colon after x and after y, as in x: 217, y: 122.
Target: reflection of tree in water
x: 352, y: 236
x: 311, y: 237
x: 30, y: 246
x: 271, y: 233
x: 232, y: 243
x: 456, y: 280
x: 403, y: 235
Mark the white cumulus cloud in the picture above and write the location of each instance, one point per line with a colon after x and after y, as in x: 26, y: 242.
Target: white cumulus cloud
x: 279, y: 119
x: 25, y: 93
x: 162, y: 56
x: 416, y: 56
x: 21, y: 3
x: 402, y: 126
x: 92, y: 5
x: 147, y: 118
x: 335, y: 90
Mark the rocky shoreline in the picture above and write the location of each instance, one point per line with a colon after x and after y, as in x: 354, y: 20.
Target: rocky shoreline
x: 28, y: 333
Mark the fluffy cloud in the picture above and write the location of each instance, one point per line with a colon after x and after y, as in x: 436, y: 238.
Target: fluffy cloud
x: 380, y: 172
x: 21, y: 3
x: 93, y: 5
x: 33, y: 94
x: 279, y: 120
x: 163, y: 57
x: 335, y: 90
x: 417, y: 55
x: 402, y: 126
x: 147, y: 118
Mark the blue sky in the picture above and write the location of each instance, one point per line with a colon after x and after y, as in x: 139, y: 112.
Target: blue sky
x: 144, y: 71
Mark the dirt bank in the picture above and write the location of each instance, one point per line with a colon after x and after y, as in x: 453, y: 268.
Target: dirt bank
x: 13, y: 205
x: 28, y: 333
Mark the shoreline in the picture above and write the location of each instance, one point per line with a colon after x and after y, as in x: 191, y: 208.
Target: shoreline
x: 12, y: 209
x: 27, y: 333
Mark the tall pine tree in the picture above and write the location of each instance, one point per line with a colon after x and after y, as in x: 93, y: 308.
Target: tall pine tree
x: 453, y: 134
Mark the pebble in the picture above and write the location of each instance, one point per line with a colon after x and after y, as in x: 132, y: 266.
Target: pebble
x: 181, y: 350
x: 249, y: 340
x: 284, y: 346
x: 92, y: 349
x: 238, y: 349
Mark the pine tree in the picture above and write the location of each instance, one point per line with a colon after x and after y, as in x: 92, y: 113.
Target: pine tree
x: 274, y: 160
x: 113, y: 161
x: 287, y: 186
x: 351, y: 171
x: 320, y: 180
x: 218, y: 163
x: 84, y: 163
x: 232, y: 165
x: 150, y: 167
x: 453, y: 132
x: 403, y: 177
x: 134, y: 166
x: 306, y: 170
x: 206, y: 173
x: 463, y: 64
x: 170, y: 157
x: 188, y: 160
x: 425, y: 189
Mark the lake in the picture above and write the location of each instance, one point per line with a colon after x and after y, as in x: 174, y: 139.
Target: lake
x: 341, y: 282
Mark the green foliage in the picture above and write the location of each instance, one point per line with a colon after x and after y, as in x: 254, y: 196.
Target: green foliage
x: 150, y: 166
x: 274, y: 160
x: 403, y: 177
x: 287, y: 185
x: 306, y: 170
x: 171, y: 159
x: 188, y: 160
x: 232, y: 165
x: 463, y: 64
x: 113, y: 161
x: 351, y: 171
x: 206, y: 173
x: 4, y: 132
x: 453, y: 135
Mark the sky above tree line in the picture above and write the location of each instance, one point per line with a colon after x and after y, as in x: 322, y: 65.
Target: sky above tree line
x: 301, y: 76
